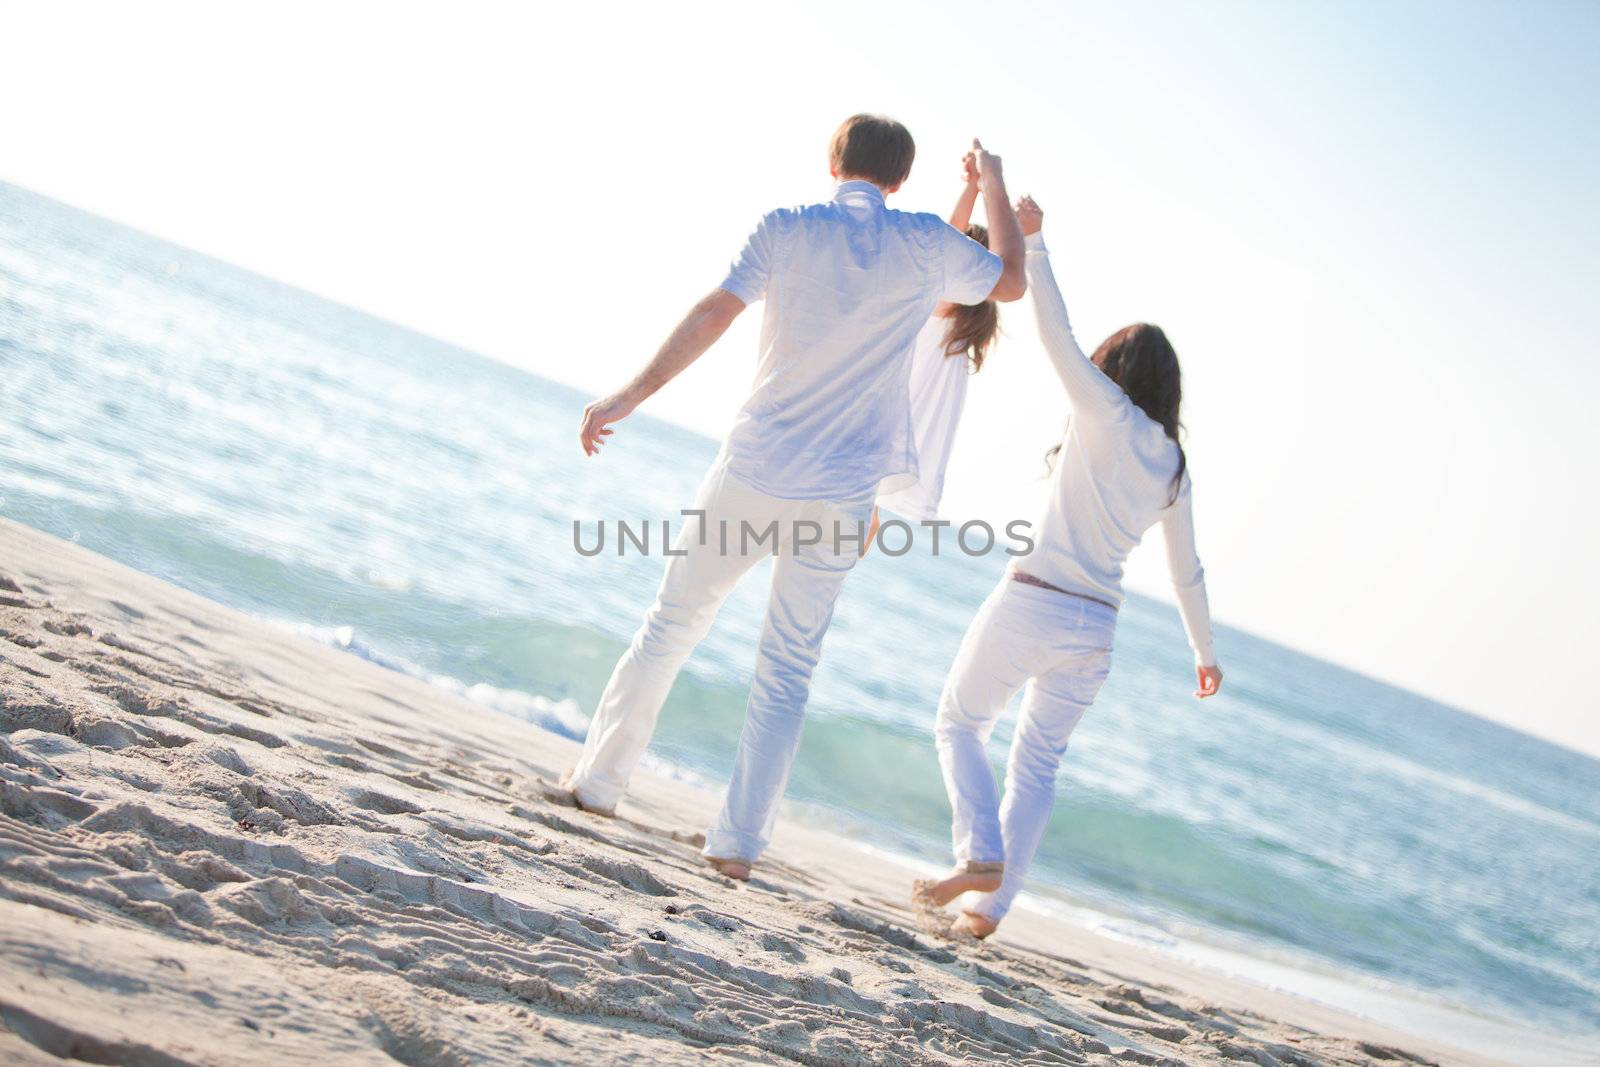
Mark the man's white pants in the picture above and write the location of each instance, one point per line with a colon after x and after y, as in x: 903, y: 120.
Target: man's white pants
x: 741, y: 526
x: 1060, y: 647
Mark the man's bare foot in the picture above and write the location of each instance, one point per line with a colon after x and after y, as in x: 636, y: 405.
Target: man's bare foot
x: 738, y: 870
x: 940, y: 893
x: 564, y: 791
x: 971, y: 924
x: 593, y: 809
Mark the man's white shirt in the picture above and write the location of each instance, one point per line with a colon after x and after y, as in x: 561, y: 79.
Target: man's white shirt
x: 848, y: 284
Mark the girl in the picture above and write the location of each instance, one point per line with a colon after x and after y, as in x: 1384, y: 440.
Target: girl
x: 950, y: 347
x: 1118, y: 471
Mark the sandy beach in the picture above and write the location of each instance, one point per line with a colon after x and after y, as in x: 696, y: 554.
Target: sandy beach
x: 221, y: 843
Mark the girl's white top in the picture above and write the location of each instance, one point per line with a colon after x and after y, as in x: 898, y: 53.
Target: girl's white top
x: 1113, y: 478
x: 938, y: 392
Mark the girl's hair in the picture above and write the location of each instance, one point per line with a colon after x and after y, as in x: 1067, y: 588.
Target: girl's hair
x: 1142, y: 361
x: 973, y: 326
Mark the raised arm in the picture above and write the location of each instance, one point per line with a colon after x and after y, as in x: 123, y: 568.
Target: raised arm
x: 961, y: 215
x: 1005, y: 235
x: 1090, y: 392
x: 698, y: 331
x: 1189, y: 584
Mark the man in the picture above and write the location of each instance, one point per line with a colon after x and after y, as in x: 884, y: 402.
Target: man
x: 847, y: 284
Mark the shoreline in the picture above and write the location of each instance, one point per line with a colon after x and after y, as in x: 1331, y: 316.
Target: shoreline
x: 311, y: 836
x: 1406, y: 1010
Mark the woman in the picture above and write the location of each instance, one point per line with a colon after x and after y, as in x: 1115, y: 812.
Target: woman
x: 1118, y: 471
x: 951, y: 346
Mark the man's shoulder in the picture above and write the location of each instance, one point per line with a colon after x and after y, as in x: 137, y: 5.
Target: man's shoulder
x: 922, y: 229
x: 919, y: 221
x: 785, y: 220
x: 831, y: 209
x: 794, y: 212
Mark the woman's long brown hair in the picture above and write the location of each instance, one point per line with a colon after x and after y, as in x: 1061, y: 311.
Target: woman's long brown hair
x: 973, y: 326
x: 1141, y: 360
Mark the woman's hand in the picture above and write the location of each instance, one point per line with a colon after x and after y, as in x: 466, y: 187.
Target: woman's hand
x: 1210, y: 680
x: 872, y: 533
x: 1031, y: 216
x: 961, y: 217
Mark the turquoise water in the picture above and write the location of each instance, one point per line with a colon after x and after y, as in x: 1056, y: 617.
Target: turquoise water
x: 414, y: 503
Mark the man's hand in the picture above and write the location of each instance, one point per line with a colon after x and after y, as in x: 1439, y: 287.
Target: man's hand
x: 988, y: 165
x: 1005, y: 236
x: 598, y: 416
x: 697, y: 332
x: 1209, y: 679
x: 1030, y: 215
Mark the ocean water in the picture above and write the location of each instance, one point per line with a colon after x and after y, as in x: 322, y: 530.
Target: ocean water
x: 414, y: 503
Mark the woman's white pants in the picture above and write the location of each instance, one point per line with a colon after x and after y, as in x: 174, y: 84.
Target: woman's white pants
x: 1059, y: 647
x: 718, y: 550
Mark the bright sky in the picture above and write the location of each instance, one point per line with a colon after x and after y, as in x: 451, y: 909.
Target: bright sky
x: 1370, y: 229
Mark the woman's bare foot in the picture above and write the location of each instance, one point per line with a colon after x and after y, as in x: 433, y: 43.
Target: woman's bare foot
x: 971, y: 924
x: 738, y: 870
x: 940, y: 893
